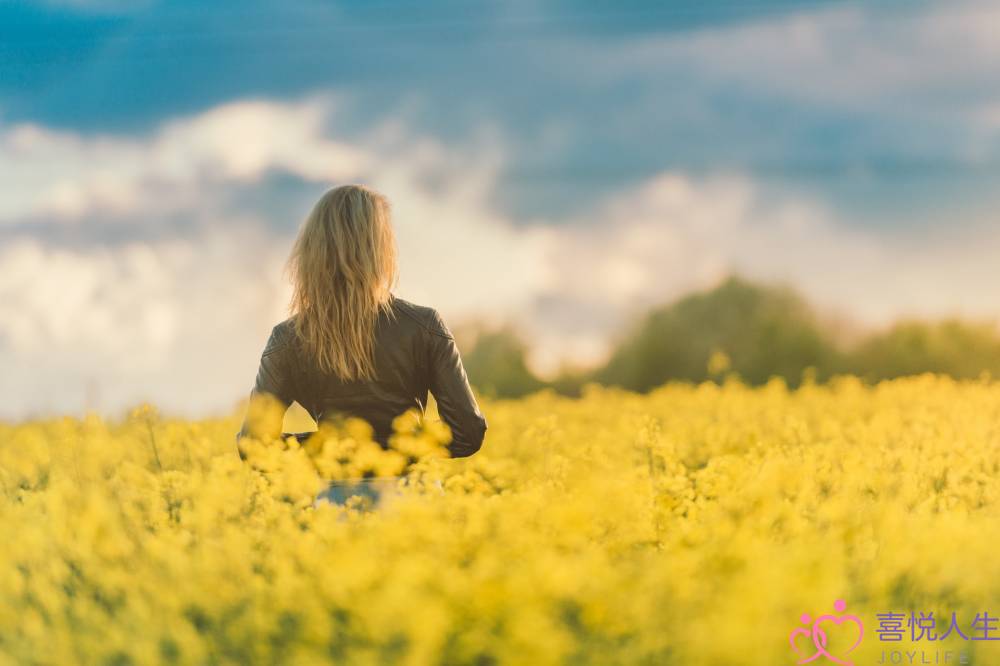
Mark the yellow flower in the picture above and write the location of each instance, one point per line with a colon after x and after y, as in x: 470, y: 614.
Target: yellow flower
x: 679, y: 526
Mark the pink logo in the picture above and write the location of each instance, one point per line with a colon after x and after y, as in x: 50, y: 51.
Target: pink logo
x: 816, y: 642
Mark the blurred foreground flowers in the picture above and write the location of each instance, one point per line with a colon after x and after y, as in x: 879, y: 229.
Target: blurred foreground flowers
x: 692, y: 525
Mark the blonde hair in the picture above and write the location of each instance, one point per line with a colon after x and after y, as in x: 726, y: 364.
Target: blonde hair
x: 343, y: 268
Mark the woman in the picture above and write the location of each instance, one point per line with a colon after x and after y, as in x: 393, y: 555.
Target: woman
x: 351, y: 348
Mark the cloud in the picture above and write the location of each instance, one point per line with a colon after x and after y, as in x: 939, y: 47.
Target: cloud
x: 850, y: 57
x: 849, y: 87
x: 179, y: 317
x: 63, y: 176
x: 672, y: 233
x: 176, y: 322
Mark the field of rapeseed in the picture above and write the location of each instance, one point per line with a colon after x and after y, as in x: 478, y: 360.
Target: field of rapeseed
x: 693, y: 525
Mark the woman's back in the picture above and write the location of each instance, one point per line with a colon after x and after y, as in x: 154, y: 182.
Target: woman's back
x: 413, y: 353
x: 351, y: 348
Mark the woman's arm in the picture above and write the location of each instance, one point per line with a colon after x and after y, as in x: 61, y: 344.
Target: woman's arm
x: 450, y: 388
x: 272, y: 391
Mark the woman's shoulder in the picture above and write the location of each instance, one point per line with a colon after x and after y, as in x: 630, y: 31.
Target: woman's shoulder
x: 282, y: 335
x: 425, y: 316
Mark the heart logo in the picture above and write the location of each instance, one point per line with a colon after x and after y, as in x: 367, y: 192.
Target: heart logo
x: 811, y: 641
x: 832, y: 622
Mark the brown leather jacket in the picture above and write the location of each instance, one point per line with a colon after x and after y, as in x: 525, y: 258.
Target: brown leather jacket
x: 414, y: 353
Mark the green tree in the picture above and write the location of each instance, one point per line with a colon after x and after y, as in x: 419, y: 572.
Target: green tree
x: 496, y: 365
x: 759, y: 331
x: 963, y: 350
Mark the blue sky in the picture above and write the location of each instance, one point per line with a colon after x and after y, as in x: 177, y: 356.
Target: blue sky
x: 892, y: 156
x: 575, y: 162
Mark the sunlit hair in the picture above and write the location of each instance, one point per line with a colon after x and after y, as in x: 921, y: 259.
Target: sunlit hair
x: 343, y: 268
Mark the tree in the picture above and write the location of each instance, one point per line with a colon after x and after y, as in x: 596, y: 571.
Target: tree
x: 963, y: 350
x: 762, y: 331
x: 496, y: 365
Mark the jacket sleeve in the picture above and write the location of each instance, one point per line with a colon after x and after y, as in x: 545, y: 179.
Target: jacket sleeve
x: 450, y: 387
x: 272, y: 392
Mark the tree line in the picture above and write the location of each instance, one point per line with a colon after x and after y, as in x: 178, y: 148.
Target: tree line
x: 751, y: 330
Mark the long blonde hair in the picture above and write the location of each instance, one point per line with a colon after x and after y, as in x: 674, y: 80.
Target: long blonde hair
x: 343, y: 268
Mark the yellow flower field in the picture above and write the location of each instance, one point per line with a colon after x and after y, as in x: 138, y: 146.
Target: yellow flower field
x: 693, y: 525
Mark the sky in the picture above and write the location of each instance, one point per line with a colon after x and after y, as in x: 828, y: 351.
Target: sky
x: 557, y: 166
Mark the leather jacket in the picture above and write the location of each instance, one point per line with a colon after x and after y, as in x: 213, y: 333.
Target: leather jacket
x: 414, y: 354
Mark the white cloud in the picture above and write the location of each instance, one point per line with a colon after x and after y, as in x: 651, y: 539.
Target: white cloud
x: 921, y: 63
x: 61, y: 175
x: 176, y: 322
